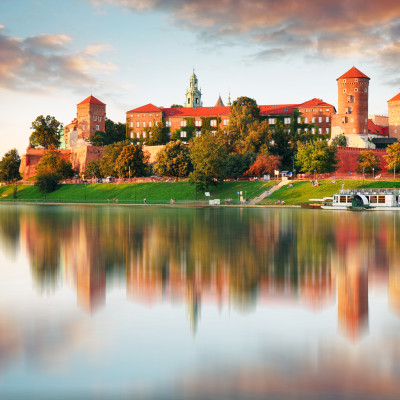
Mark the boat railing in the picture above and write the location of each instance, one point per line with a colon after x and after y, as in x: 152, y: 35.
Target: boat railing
x: 369, y: 191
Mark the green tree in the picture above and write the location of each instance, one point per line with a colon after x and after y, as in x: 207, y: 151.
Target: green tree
x: 9, y: 166
x: 132, y: 161
x: 46, y: 132
x: 52, y: 162
x: 368, y: 162
x: 244, y: 112
x: 173, y: 160
x: 158, y: 134
x: 238, y: 164
x: 339, y: 141
x: 392, y: 156
x: 109, y: 158
x: 47, y: 181
x: 316, y: 156
x: 176, y: 106
x: 114, y: 133
x: 209, y: 159
x: 93, y: 170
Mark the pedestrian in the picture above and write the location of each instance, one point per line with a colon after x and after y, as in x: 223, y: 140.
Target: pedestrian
x: 145, y: 200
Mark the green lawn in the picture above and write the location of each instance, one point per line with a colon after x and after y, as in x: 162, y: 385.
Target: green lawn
x: 160, y: 192
x: 303, y: 191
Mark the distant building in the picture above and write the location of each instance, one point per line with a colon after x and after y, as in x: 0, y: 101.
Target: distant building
x: 394, y: 116
x: 193, y: 93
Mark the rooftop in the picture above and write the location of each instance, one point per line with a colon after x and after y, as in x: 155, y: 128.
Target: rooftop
x: 147, y: 108
x: 353, y: 73
x: 91, y: 100
x: 395, y: 98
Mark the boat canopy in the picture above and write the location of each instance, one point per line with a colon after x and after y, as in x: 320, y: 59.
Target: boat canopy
x: 363, y: 198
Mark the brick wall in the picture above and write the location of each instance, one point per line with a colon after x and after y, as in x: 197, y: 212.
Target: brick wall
x: 348, y: 159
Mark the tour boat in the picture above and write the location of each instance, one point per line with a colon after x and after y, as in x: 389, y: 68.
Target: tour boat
x: 364, y: 199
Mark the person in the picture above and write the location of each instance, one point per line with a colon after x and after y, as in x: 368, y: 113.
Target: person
x: 145, y: 200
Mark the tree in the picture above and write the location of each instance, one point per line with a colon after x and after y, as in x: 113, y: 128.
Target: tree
x: 339, y: 141
x: 158, y: 134
x: 316, y: 156
x: 244, y: 112
x: 238, y: 164
x: 47, y: 181
x: 110, y: 155
x: 93, y: 169
x: 265, y: 164
x: 52, y: 162
x: 209, y: 159
x: 132, y: 161
x: 9, y: 166
x: 392, y: 156
x: 46, y: 132
x: 368, y: 162
x: 173, y: 160
x: 176, y: 106
x: 114, y: 133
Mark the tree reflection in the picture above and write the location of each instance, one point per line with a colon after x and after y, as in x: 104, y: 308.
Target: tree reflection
x: 224, y: 256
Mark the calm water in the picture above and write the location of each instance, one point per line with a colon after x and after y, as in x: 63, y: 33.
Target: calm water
x: 114, y: 302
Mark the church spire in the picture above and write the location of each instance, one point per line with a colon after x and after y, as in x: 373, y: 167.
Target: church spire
x: 193, y: 94
x: 229, y: 103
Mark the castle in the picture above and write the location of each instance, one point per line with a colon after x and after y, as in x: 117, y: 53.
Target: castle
x: 320, y: 118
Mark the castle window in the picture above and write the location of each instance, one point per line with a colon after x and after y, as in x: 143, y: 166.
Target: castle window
x: 355, y: 89
x: 94, y: 117
x: 188, y: 100
x: 327, y: 131
x: 197, y: 100
x: 131, y: 135
x: 156, y: 115
x: 143, y: 115
x: 319, y: 119
x: 320, y: 131
x: 137, y: 115
x: 226, y: 122
x: 138, y: 135
x: 83, y: 127
x: 313, y: 120
x: 150, y: 124
x: 320, y: 110
x: 344, y: 80
x: 156, y: 123
x: 213, y: 122
x: 327, y: 109
x: 168, y: 124
x: 356, y: 80
x: 327, y: 119
x: 198, y: 122
x: 365, y: 90
x: 183, y: 123
x: 299, y: 120
x: 144, y: 135
x: 214, y: 132
x: 183, y: 134
x: 299, y: 130
x: 99, y: 119
x: 131, y: 116
x: 149, y: 115
x: 306, y: 120
x: 137, y: 124
x: 312, y: 110
x: 97, y: 127
x: 313, y: 131
x: 131, y: 125
x: 305, y: 110
x: 198, y: 133
x: 271, y: 121
x: 286, y: 121
x: 144, y: 124
x: 344, y: 90
x: 350, y: 99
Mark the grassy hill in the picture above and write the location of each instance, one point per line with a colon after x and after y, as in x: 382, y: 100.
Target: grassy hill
x: 302, y: 191
x: 158, y: 192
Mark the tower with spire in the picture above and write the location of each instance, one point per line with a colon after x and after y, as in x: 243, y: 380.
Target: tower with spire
x: 193, y: 93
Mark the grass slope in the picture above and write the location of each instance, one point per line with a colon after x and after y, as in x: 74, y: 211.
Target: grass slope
x: 303, y: 191
x: 158, y: 192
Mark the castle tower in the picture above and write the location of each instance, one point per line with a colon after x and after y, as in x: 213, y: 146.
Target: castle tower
x: 193, y: 94
x: 219, y: 102
x: 91, y: 115
x: 352, y: 117
x: 394, y: 116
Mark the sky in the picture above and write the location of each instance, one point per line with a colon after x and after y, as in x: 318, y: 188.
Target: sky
x: 127, y: 53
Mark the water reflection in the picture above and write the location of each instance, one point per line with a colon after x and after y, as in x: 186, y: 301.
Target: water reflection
x: 235, y: 257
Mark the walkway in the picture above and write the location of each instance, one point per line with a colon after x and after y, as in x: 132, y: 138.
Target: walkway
x: 265, y: 194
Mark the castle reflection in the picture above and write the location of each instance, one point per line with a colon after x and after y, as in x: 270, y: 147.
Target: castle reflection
x: 236, y: 258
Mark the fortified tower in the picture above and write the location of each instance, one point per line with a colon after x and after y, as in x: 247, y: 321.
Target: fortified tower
x: 352, y: 117
x: 394, y: 116
x: 193, y: 94
x: 91, y: 115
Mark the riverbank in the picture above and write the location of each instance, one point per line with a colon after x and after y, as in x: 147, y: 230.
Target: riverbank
x: 135, y: 193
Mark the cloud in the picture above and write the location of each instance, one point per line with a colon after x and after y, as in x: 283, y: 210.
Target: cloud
x: 43, y: 62
x: 364, y: 29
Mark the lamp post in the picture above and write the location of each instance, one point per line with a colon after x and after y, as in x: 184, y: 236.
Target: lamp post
x: 394, y: 170
x: 85, y: 190
x: 129, y: 173
x: 363, y: 174
x: 373, y: 173
x: 315, y: 174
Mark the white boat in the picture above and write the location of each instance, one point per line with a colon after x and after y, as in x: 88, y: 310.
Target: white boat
x: 365, y: 199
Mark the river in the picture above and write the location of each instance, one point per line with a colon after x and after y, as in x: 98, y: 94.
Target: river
x: 209, y: 303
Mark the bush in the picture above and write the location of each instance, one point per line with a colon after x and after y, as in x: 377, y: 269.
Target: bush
x: 47, y: 182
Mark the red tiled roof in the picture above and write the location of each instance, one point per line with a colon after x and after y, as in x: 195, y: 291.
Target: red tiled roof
x: 147, y: 108
x: 353, y: 73
x: 277, y: 109
x: 196, y: 111
x: 92, y: 100
x: 395, y: 98
x: 315, y: 103
x: 376, y: 129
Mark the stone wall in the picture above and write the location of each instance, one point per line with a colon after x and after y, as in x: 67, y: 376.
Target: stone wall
x: 348, y: 159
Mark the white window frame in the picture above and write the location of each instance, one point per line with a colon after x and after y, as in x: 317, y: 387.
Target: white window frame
x: 183, y: 134
x: 286, y: 120
x: 319, y: 119
x: 197, y: 122
x: 213, y: 122
x: 94, y: 117
x: 327, y: 119
x: 144, y: 124
x: 271, y: 121
x: 137, y: 124
x: 183, y: 123
x: 97, y: 127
